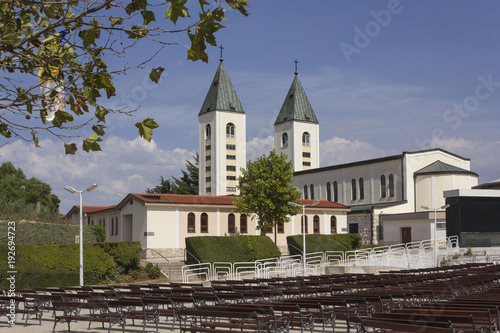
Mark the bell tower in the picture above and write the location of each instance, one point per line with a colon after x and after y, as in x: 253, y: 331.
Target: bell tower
x: 296, y: 130
x: 222, y: 137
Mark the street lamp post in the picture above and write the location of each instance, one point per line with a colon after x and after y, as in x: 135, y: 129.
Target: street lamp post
x: 72, y: 190
x: 294, y: 204
x: 435, y: 229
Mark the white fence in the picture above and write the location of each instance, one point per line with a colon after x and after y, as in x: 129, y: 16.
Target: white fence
x: 413, y: 255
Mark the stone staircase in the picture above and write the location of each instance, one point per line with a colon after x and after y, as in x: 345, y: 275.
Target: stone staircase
x: 175, y: 267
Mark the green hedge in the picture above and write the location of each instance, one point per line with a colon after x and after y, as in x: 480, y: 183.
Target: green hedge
x: 230, y: 249
x: 38, y: 233
x: 126, y: 254
x: 321, y: 243
x: 58, y: 265
x: 19, y: 210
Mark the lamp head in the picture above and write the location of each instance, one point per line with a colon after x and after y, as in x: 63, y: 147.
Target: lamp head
x: 70, y: 189
x: 445, y: 206
x: 314, y: 203
x: 91, y: 188
x: 293, y: 204
x: 425, y: 207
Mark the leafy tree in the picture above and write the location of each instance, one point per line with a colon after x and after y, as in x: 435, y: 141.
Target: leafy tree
x: 164, y: 187
x: 265, y: 188
x: 58, y: 59
x: 187, y: 184
x: 14, y: 186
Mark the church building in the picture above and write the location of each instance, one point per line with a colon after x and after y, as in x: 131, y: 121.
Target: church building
x: 392, y: 199
x: 387, y: 191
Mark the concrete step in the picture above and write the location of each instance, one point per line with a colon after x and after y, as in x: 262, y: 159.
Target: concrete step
x: 172, y: 267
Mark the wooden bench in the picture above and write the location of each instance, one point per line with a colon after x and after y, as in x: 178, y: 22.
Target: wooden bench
x: 11, y: 306
x: 473, y: 321
x: 97, y: 311
x: 377, y: 324
x: 222, y: 320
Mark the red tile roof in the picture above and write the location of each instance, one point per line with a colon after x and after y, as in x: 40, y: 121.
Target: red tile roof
x: 184, y: 199
x: 93, y: 209
x: 214, y: 200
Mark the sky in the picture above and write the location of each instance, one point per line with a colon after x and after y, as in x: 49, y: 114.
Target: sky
x: 383, y: 77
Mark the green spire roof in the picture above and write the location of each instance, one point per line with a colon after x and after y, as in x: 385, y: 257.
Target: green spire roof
x: 296, y: 105
x: 221, y: 96
x: 439, y: 167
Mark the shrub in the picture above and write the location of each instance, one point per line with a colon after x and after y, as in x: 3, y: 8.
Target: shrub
x: 153, y: 271
x: 38, y: 233
x: 58, y: 265
x: 322, y: 243
x: 231, y: 248
x: 18, y: 210
x: 134, y: 274
x: 100, y: 232
x: 126, y: 254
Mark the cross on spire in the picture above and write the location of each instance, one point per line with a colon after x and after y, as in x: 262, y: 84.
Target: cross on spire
x: 296, y: 62
x: 221, y: 48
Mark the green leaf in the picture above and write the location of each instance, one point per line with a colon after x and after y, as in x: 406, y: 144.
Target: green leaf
x: 176, y: 10
x: 91, y: 143
x: 70, y: 149
x: 35, y: 139
x: 136, y: 5
x: 137, y: 32
x: 146, y: 128
x: 99, y: 129
x: 108, y: 85
x: 116, y: 21
x: 62, y: 117
x: 4, y: 130
x: 148, y: 16
x: 239, y: 5
x: 156, y: 74
x: 101, y: 113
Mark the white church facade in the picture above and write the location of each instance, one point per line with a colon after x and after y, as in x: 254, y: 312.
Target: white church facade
x: 381, y: 198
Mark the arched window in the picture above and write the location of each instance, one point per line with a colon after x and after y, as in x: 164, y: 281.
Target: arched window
x: 284, y: 140
x: 112, y: 226
x: 305, y: 192
x: 333, y: 225
x: 328, y: 192
x: 243, y: 224
x: 306, y: 139
x: 208, y: 132
x: 353, y: 189
x: 230, y: 130
x: 231, y: 224
x: 361, y: 189
x: 312, y: 191
x: 391, y: 185
x: 204, y: 223
x: 316, y: 224
x: 382, y: 187
x: 304, y: 218
x: 281, y: 228
x: 191, y: 222
x: 335, y: 192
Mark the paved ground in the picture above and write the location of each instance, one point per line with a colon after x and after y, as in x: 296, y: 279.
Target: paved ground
x: 81, y: 327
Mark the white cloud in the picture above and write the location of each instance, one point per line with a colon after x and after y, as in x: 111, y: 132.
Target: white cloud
x: 484, y: 155
x: 258, y: 147
x: 339, y: 150
x: 123, y: 166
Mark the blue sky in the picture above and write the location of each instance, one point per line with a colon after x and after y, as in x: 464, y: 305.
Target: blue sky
x: 383, y: 77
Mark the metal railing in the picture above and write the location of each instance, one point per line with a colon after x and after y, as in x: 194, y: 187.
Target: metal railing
x: 409, y: 256
x: 168, y: 261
